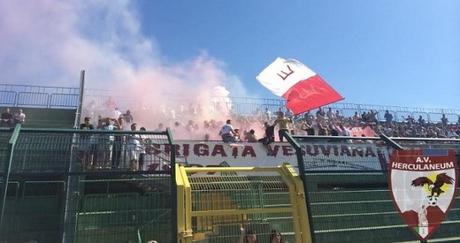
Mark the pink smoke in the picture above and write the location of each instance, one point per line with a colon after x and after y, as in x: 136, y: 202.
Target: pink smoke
x: 48, y: 42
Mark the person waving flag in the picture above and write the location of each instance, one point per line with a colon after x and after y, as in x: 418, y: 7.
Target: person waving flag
x: 302, y: 88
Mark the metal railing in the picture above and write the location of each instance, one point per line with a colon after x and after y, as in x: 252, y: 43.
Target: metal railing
x: 67, y: 97
x: 38, y: 96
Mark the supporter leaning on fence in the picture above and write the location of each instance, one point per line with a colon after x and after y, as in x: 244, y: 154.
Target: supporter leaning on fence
x: 20, y: 117
x: 7, y: 118
x: 87, y: 145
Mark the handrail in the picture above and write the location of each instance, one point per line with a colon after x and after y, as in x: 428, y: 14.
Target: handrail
x: 7, y: 169
x: 57, y: 130
x: 339, y: 138
x: 38, y: 86
x: 227, y: 169
x: 15, y: 135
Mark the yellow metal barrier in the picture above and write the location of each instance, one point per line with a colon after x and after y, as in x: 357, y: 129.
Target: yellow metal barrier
x: 183, y: 206
x: 213, y: 204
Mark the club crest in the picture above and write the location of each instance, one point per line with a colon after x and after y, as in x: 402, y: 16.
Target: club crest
x: 422, y: 184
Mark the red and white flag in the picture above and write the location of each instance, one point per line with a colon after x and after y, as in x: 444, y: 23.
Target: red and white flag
x: 302, y: 88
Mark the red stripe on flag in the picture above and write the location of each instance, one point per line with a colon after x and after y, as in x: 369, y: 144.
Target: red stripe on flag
x: 309, y: 94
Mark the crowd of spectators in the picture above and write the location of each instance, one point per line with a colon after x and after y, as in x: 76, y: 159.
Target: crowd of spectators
x: 261, y: 126
x: 9, y: 119
x: 113, y: 150
x: 190, y: 123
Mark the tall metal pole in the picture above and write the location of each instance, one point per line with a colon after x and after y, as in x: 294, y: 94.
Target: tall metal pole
x: 80, y: 100
x: 70, y: 189
x: 173, y: 185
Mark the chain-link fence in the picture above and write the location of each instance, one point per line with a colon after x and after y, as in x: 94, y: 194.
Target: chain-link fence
x: 347, y: 193
x: 89, y: 186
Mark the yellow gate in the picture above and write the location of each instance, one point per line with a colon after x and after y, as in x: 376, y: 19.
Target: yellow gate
x: 224, y: 204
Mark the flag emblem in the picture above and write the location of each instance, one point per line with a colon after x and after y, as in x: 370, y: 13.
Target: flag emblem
x: 423, y: 187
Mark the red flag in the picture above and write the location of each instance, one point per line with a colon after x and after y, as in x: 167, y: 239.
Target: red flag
x: 302, y: 88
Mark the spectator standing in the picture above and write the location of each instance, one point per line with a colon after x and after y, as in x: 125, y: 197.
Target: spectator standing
x: 87, y: 145
x: 309, y: 118
x: 337, y: 115
x: 330, y: 114
x: 283, y: 125
x: 20, y: 117
x: 421, y: 121
x: 227, y: 132
x: 116, y: 113
x: 118, y: 143
x: 372, y: 116
x: 128, y: 117
x: 356, y: 119
x: 320, y: 114
x: 388, y: 118
x: 268, y: 114
x: 134, y: 142
x: 7, y: 118
x: 109, y: 140
x: 444, y: 120
x: 269, y: 134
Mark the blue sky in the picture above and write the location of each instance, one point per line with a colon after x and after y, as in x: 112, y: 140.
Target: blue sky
x: 385, y: 52
x: 389, y: 52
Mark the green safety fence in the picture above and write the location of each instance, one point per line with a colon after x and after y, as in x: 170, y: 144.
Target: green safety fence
x: 347, y: 193
x: 88, y: 186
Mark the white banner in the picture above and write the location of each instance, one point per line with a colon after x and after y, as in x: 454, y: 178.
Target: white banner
x: 318, y: 156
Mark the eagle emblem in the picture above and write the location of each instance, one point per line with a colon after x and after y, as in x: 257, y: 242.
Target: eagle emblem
x: 435, y: 186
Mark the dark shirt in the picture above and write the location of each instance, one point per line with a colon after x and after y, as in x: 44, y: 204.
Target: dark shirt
x: 7, y: 116
x: 83, y: 126
x: 270, y: 131
x: 128, y: 118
